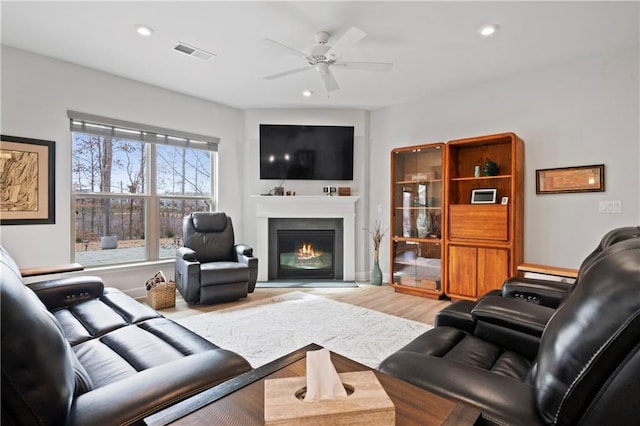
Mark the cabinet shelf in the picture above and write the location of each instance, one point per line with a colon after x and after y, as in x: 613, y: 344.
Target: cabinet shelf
x: 418, y: 207
x: 479, y: 178
x: 417, y: 291
x: 418, y: 240
x: 409, y: 182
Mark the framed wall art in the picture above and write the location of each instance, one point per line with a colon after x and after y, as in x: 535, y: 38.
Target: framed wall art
x: 570, y: 179
x: 27, y: 181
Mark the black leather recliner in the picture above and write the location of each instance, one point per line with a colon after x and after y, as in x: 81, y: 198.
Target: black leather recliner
x: 545, y: 293
x: 585, y: 371
x: 211, y: 267
x: 76, y: 353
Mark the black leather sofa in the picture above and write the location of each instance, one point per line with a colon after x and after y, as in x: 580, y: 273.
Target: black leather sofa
x: 527, y: 364
x: 76, y: 353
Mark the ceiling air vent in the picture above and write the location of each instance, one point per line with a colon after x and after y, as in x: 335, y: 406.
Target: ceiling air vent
x: 193, y: 51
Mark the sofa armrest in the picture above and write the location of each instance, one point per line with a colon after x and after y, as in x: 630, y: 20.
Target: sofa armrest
x: 457, y: 315
x: 244, y: 254
x: 187, y: 274
x: 67, y: 291
x: 130, y: 400
x: 537, y: 291
x: 187, y: 254
x: 243, y: 250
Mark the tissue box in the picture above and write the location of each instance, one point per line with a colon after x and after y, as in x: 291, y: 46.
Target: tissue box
x: 368, y: 404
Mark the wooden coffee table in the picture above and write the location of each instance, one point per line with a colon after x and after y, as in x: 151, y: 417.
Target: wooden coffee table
x: 240, y: 401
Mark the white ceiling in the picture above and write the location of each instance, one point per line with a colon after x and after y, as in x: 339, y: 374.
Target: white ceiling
x: 434, y: 45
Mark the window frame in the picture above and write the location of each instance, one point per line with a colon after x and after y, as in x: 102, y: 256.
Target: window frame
x: 151, y: 198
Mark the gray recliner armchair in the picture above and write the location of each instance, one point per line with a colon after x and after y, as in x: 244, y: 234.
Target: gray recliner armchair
x: 211, y: 267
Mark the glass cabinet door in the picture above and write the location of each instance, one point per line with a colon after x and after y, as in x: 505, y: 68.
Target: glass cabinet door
x: 417, y: 198
x: 417, y: 264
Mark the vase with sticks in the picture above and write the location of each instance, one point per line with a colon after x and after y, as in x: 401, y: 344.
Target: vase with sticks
x: 376, y: 236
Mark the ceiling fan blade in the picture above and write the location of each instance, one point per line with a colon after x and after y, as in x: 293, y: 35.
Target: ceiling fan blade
x: 351, y: 37
x: 365, y: 66
x: 285, y: 73
x: 289, y: 49
x: 329, y: 80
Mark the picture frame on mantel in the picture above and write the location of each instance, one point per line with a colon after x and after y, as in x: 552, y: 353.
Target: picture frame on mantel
x: 27, y: 181
x: 570, y: 179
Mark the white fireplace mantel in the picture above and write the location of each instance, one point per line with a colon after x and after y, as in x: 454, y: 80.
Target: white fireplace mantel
x: 306, y: 207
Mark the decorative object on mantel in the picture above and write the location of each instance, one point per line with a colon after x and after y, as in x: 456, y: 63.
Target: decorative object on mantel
x: 329, y: 190
x: 344, y: 191
x: 376, y: 236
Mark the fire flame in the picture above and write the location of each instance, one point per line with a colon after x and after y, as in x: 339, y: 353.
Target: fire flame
x: 307, y: 251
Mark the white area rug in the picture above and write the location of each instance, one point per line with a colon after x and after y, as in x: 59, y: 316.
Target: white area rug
x: 270, y: 328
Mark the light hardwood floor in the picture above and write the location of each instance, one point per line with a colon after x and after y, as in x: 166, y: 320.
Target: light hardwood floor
x: 379, y: 298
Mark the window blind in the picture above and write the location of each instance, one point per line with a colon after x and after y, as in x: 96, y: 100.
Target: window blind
x: 110, y: 127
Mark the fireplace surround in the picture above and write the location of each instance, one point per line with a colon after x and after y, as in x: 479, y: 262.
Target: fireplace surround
x: 315, y: 207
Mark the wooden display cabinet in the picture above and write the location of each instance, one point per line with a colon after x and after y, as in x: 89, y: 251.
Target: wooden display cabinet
x: 417, y: 220
x: 484, y: 244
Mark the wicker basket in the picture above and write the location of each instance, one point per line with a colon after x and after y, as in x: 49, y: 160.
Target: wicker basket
x: 162, y: 296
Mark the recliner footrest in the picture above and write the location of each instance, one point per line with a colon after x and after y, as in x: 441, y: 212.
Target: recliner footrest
x: 223, y: 292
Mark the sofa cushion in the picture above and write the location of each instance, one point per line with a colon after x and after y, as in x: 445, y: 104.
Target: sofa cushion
x: 458, y: 346
x: 102, y: 364
x: 176, y: 335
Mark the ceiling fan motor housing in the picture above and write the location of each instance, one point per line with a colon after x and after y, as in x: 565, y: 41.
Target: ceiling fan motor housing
x: 318, y: 55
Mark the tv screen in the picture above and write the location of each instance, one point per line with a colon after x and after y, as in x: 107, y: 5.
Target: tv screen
x: 306, y: 152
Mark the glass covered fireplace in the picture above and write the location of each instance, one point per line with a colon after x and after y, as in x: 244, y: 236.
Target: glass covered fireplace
x: 305, y: 248
x: 306, y: 253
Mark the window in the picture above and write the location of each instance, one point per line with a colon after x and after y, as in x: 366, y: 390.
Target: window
x: 132, y: 185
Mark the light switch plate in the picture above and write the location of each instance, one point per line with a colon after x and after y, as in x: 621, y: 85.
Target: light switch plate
x: 614, y: 206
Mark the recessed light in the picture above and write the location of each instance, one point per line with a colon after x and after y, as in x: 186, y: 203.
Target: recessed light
x: 307, y: 93
x: 488, y: 30
x: 143, y: 30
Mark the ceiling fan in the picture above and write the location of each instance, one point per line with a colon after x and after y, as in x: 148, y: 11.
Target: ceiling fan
x: 324, y: 57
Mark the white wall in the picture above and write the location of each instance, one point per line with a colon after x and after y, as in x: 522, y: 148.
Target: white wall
x: 582, y: 113
x: 359, y: 186
x: 36, y: 94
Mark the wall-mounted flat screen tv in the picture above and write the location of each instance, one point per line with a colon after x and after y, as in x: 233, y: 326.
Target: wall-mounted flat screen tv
x: 306, y: 152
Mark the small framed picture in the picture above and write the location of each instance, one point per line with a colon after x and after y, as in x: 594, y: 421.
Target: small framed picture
x: 505, y: 200
x: 484, y: 196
